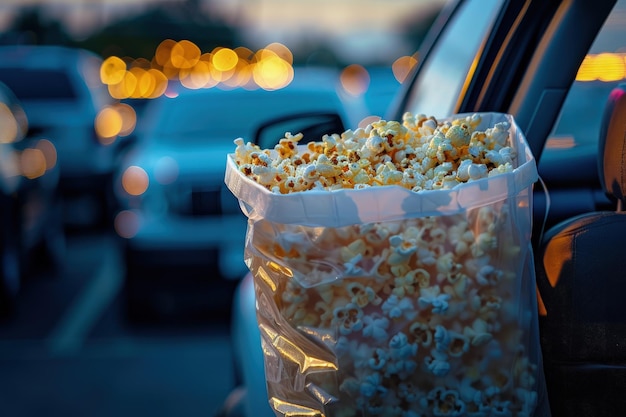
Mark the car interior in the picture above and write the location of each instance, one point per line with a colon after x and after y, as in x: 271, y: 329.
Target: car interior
x: 580, y: 281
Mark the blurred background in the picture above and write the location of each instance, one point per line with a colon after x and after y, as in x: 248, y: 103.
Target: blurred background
x: 120, y: 247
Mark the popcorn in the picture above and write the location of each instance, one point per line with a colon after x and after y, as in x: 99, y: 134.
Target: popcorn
x: 418, y: 153
x: 396, y: 307
x: 418, y: 316
x: 376, y: 327
x: 348, y: 319
x: 410, y: 304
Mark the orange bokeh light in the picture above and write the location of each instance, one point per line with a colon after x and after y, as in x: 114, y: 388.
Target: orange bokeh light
x: 355, y: 79
x: 135, y: 180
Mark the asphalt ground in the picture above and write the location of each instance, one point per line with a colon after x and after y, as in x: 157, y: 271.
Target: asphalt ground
x: 70, y: 350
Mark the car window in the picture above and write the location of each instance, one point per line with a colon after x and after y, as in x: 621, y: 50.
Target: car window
x: 604, y: 67
x: 38, y: 84
x: 442, y: 78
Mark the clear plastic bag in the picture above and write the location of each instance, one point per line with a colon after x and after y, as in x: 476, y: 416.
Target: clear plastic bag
x: 388, y: 302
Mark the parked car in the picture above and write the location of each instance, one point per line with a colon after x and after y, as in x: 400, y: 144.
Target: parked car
x: 32, y: 235
x: 182, y: 230
x: 557, y: 68
x: 62, y: 95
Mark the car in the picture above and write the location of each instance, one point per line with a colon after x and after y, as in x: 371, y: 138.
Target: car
x: 558, y: 68
x: 61, y: 92
x: 32, y: 235
x: 182, y: 231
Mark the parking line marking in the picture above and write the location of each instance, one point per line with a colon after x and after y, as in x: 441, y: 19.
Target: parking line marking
x: 69, y: 334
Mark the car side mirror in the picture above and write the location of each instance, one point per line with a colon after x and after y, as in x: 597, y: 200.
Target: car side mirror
x: 313, y: 126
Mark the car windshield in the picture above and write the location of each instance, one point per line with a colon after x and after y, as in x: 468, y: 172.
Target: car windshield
x: 194, y: 118
x: 38, y: 84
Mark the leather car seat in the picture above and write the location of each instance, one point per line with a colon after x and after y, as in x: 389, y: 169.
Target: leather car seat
x: 581, y: 279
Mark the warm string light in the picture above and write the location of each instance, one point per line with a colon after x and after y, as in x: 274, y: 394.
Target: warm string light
x: 269, y: 68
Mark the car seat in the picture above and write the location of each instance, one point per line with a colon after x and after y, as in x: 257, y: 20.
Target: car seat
x: 581, y: 279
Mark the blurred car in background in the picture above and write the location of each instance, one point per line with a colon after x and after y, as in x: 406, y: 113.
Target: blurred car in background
x: 182, y: 229
x: 32, y: 233
x: 63, y: 97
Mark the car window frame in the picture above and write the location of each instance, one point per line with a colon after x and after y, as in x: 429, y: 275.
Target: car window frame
x: 457, y: 29
x: 533, y: 34
x: 536, y: 103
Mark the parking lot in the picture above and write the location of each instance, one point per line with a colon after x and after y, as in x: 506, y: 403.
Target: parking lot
x: 70, y: 351
x: 72, y: 347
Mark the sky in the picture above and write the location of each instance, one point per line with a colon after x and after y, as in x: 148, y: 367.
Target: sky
x: 275, y: 20
x: 358, y: 24
x: 333, y: 15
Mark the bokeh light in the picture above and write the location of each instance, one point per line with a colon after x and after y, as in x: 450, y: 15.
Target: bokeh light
x: 129, y: 118
x: 184, y: 54
x: 270, y: 71
x: 182, y: 61
x: 280, y: 51
x: 135, y: 180
x: 164, y: 52
x: 224, y: 59
x: 32, y: 163
x: 49, y: 152
x: 126, y: 223
x: 403, y: 66
x: 605, y: 67
x: 145, y: 82
x: 241, y: 76
x: 160, y: 83
x: 10, y: 129
x: 108, y: 125
x: 112, y: 70
x: 355, y: 80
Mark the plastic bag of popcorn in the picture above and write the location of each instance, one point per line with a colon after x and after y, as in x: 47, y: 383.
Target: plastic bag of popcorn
x: 393, y: 269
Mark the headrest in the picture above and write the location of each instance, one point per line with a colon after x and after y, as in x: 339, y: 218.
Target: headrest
x: 612, y: 147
